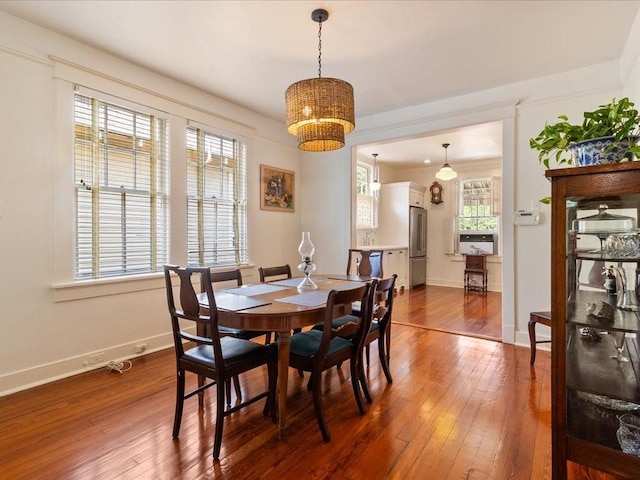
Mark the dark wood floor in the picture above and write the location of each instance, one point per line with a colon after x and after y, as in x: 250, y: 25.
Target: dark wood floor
x: 459, y: 408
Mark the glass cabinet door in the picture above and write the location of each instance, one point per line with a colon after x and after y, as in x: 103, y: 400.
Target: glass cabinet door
x: 595, y: 320
x: 602, y: 321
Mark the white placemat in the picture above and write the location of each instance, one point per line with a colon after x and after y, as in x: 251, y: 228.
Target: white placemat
x: 294, y: 282
x: 258, y: 289
x: 307, y: 299
x: 345, y: 286
x: 233, y: 303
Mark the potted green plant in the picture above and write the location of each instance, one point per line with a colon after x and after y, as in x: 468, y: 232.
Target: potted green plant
x: 606, y: 135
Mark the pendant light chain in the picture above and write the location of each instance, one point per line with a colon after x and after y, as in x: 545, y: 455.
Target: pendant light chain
x: 320, y: 50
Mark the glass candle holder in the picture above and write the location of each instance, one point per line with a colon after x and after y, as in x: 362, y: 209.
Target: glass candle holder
x: 307, y: 267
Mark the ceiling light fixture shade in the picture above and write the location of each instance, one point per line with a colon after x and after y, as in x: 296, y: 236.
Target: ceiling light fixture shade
x: 375, y: 185
x: 320, y: 111
x: 446, y: 172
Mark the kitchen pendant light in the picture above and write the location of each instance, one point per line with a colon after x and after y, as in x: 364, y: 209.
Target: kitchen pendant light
x: 375, y: 185
x: 320, y: 111
x: 446, y: 172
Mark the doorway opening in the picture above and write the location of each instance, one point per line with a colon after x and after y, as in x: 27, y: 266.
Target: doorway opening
x: 475, y: 152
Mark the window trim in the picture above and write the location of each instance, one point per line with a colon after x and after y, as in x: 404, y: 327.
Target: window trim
x: 460, y: 205
x: 178, y: 110
x: 98, y: 100
x: 243, y: 153
x: 369, y: 194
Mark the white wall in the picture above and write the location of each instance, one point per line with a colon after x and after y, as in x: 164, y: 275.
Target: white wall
x: 442, y: 268
x: 325, y: 195
x: 533, y: 244
x: 42, y: 337
x: 523, y: 108
x: 630, y: 64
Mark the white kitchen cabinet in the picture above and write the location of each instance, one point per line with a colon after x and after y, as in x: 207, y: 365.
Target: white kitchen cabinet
x: 395, y: 262
x: 395, y: 200
x: 416, y: 195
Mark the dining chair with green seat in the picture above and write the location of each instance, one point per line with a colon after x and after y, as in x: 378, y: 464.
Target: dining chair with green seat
x: 234, y: 275
x: 316, y: 350
x: 379, y: 329
x: 381, y: 325
x: 215, y: 357
x: 272, y: 274
x: 367, y: 262
x: 280, y: 272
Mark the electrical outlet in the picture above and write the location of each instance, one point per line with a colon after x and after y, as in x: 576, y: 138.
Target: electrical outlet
x: 141, y: 347
x: 94, y: 359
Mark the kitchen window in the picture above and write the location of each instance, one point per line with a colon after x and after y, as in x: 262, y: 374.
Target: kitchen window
x: 477, y: 212
x: 367, y: 200
x: 121, y: 190
x: 216, y: 199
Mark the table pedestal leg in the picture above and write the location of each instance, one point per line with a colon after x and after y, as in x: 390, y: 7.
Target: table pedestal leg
x: 284, y: 347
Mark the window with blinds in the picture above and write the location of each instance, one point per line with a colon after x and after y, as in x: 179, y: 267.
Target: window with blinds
x: 476, y: 206
x: 366, y: 200
x: 122, y: 190
x: 216, y: 199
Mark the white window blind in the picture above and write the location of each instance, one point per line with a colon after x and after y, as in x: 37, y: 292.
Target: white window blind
x: 366, y: 200
x: 216, y: 200
x: 121, y: 182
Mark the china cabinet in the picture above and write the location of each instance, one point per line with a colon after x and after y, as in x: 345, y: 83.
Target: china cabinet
x: 591, y: 388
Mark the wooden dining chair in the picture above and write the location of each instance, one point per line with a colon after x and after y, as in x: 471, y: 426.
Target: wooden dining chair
x: 315, y: 350
x: 214, y: 357
x: 367, y: 262
x: 381, y: 326
x: 280, y: 272
x: 235, y: 275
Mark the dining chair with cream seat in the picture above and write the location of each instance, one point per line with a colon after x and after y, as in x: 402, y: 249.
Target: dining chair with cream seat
x: 215, y: 357
x: 315, y: 350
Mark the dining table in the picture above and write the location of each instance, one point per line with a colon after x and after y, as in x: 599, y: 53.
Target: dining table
x: 279, y: 306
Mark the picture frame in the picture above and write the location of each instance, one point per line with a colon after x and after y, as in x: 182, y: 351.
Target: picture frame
x: 277, y: 189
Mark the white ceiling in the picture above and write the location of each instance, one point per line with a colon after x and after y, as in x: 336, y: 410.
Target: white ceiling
x: 394, y: 53
x: 478, y: 142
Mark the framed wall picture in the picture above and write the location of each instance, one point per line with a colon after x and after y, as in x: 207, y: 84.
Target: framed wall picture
x: 277, y: 189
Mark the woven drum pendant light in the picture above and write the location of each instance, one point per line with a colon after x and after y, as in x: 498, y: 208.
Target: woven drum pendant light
x: 320, y: 111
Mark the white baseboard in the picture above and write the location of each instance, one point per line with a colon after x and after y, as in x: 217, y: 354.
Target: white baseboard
x: 522, y: 339
x: 41, y: 374
x: 438, y: 282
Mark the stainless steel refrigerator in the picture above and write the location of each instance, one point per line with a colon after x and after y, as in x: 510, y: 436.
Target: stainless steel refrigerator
x: 417, y: 246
